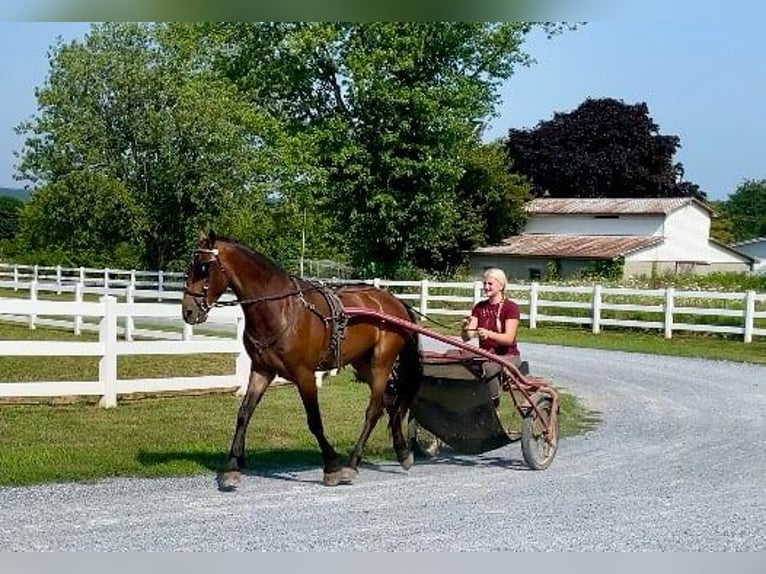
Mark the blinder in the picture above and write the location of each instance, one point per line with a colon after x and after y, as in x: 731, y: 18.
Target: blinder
x: 201, y: 270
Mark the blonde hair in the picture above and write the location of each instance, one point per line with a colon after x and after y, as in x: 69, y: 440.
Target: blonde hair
x: 497, y: 274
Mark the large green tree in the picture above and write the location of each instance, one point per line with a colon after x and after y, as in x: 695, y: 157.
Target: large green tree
x: 393, y: 111
x: 343, y: 137
x: 603, y: 148
x: 746, y: 208
x: 132, y: 105
x: 83, y: 218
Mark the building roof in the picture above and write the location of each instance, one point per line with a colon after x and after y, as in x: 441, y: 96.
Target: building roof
x: 752, y: 241
x: 570, y: 246
x: 610, y: 206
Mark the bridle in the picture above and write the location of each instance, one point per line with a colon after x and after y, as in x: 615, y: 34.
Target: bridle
x: 200, y: 297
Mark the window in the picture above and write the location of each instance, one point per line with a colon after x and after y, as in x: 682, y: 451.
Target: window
x: 535, y: 274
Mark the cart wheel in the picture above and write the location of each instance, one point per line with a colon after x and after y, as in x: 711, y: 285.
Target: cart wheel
x: 537, y: 446
x: 423, y: 443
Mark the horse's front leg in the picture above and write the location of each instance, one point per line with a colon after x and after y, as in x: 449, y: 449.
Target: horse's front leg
x: 333, y: 466
x: 230, y: 475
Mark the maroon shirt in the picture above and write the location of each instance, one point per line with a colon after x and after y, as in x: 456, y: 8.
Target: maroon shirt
x: 493, y: 317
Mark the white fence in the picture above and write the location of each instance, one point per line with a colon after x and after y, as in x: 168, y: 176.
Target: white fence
x: 159, y: 284
x: 598, y: 307
x: 666, y: 310
x: 108, y: 311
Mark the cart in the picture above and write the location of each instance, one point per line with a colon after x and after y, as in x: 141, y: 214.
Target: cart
x: 455, y: 404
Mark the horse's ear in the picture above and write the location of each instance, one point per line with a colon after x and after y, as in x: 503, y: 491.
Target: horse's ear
x: 211, y: 237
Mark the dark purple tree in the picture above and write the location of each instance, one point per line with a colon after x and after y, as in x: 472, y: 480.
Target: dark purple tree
x: 604, y: 148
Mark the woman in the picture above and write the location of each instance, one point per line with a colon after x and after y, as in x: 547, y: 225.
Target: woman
x: 495, y: 321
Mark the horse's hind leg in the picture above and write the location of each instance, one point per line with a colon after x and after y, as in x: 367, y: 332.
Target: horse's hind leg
x: 230, y: 476
x: 333, y: 467
x: 396, y: 412
x: 377, y: 378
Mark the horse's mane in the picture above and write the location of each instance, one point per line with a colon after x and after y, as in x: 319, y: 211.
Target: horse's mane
x: 258, y: 257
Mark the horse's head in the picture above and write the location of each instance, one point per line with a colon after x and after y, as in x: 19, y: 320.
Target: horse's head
x: 206, y: 280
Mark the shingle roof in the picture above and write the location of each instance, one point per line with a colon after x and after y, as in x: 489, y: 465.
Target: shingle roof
x: 570, y: 246
x: 609, y: 206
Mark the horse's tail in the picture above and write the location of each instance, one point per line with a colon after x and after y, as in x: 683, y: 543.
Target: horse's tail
x: 408, y: 371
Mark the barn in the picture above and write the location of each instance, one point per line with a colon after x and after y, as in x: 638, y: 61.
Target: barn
x: 638, y: 236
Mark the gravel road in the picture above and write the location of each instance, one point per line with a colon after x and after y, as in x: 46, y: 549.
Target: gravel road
x: 677, y: 463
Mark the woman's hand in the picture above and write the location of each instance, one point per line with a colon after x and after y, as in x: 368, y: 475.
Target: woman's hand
x: 484, y: 333
x: 466, y: 331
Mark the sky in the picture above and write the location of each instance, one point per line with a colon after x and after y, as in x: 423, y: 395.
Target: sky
x: 702, y: 78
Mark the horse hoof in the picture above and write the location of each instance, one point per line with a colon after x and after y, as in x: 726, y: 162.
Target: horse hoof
x: 332, y: 478
x: 229, y: 481
x: 348, y: 475
x: 408, y: 461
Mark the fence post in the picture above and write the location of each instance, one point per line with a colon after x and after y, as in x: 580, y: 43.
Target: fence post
x: 106, y: 282
x: 130, y: 299
x: 477, y: 291
x: 669, y: 303
x: 160, y: 283
x: 242, y: 362
x: 33, y: 298
x: 35, y: 272
x: 15, y: 277
x: 107, y: 365
x: 533, y: 290
x: 78, y: 290
x: 376, y: 282
x: 58, y: 279
x: 749, y: 315
x: 424, y: 297
x: 596, y: 309
x: 82, y: 276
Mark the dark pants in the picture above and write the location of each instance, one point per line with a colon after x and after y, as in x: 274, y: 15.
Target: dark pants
x: 493, y: 372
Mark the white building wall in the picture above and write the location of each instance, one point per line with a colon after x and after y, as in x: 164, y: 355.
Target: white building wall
x: 682, y: 250
x: 589, y: 225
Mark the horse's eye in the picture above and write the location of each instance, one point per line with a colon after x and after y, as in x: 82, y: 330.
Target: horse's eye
x: 202, y: 269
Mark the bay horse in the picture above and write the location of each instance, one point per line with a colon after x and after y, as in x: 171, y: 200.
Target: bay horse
x: 294, y: 327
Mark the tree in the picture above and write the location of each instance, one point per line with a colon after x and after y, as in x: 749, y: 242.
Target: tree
x: 746, y: 208
x: 392, y: 112
x: 604, y: 148
x: 83, y: 218
x: 9, y: 216
x: 491, y: 198
x: 132, y: 104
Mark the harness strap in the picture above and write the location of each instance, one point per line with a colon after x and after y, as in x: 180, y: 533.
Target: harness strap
x: 336, y: 321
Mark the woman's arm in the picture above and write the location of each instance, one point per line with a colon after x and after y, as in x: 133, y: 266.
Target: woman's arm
x: 507, y: 337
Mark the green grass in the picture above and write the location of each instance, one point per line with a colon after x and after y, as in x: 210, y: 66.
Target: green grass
x: 177, y: 434
x: 154, y: 436
x: 709, y: 346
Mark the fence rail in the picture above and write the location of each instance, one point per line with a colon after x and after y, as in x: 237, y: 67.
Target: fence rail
x: 667, y: 310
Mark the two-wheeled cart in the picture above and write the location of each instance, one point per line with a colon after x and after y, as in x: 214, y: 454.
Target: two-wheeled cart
x: 455, y: 405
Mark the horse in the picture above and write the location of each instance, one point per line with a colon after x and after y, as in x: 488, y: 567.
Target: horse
x: 294, y: 327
